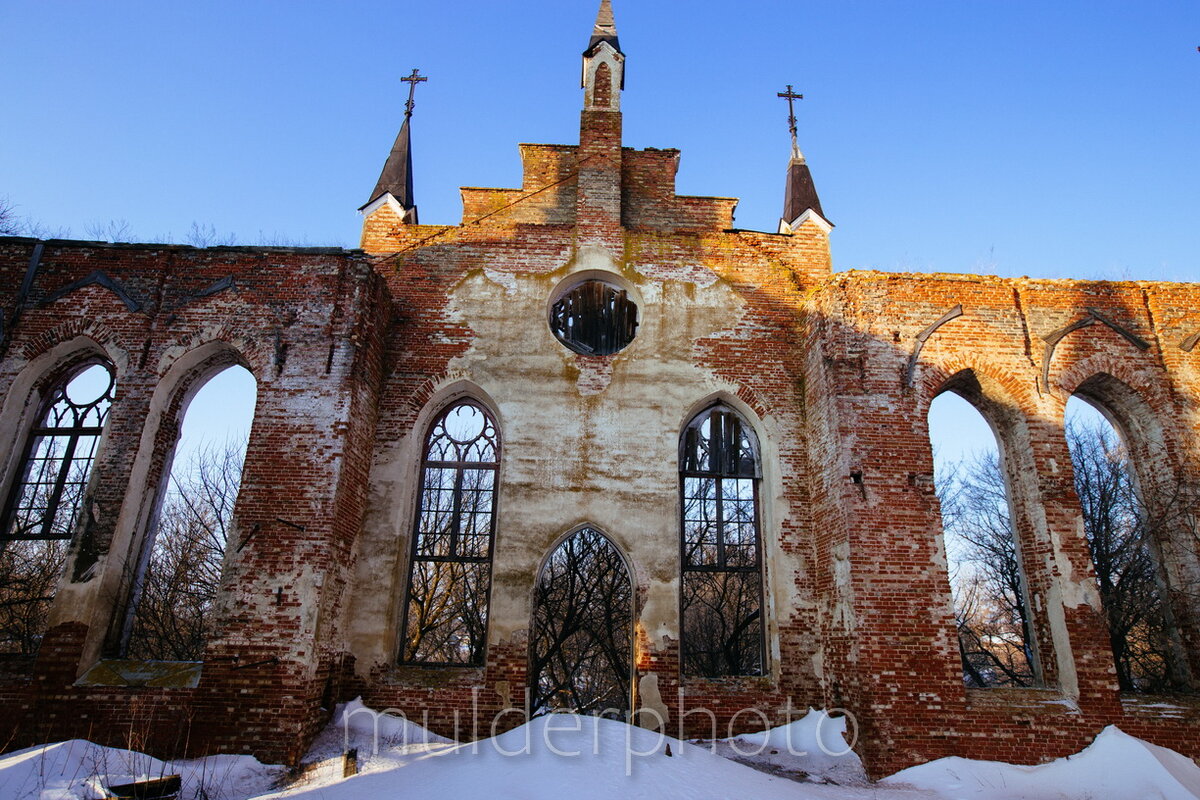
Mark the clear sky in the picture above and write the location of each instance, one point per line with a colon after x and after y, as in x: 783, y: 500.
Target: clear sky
x: 1052, y: 139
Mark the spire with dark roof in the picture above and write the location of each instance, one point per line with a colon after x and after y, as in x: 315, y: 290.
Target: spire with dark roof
x: 800, y: 194
x: 396, y: 179
x: 605, y: 29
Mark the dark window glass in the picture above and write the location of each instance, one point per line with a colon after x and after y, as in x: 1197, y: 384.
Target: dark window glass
x: 447, y: 604
x: 721, y: 604
x: 595, y: 319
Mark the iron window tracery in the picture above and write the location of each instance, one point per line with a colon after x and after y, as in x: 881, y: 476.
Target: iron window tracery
x: 45, y: 501
x: 721, y: 587
x: 594, y: 318
x: 446, y: 607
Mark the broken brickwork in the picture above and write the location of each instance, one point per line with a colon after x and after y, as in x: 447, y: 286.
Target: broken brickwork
x: 356, y: 352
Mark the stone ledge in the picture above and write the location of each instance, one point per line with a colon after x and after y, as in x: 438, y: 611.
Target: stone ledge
x: 138, y: 674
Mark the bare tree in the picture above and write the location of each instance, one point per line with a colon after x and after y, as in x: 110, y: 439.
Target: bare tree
x: 14, y: 224
x: 1121, y: 534
x: 29, y: 574
x: 173, y: 615
x: 207, y: 236
x: 580, y: 650
x: 994, y: 634
x: 115, y: 230
x: 447, y: 612
x: 10, y: 223
x: 722, y: 623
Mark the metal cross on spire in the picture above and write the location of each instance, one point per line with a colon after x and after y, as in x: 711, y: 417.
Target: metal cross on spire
x: 412, y: 81
x: 791, y: 98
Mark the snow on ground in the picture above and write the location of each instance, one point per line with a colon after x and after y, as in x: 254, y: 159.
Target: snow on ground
x: 1115, y: 765
x: 79, y: 770
x: 365, y: 724
x: 586, y: 757
x: 812, y: 748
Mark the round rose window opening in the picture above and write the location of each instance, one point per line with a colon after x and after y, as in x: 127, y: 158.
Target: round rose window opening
x: 594, y: 318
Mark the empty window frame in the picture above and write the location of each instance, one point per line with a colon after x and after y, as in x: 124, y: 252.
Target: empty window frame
x: 721, y: 586
x: 987, y: 582
x: 446, y: 608
x: 174, y: 598
x: 581, y: 633
x: 1124, y: 535
x: 45, y: 501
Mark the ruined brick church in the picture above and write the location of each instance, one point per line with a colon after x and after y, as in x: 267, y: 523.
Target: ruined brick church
x: 587, y: 364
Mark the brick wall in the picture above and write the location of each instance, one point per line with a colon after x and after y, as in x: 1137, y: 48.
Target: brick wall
x: 355, y: 352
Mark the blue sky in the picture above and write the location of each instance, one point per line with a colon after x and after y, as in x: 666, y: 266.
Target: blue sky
x: 1051, y: 139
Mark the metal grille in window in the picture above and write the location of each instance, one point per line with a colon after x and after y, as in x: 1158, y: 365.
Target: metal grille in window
x: 447, y: 605
x: 46, y: 497
x: 45, y: 501
x: 594, y: 319
x: 721, y: 604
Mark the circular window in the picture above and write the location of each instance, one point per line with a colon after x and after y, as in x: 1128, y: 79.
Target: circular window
x: 594, y: 318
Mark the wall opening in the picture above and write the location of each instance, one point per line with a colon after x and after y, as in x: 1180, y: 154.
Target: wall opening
x: 991, y: 608
x: 594, y: 318
x: 174, y: 595
x: 720, y: 549
x: 446, y: 609
x: 581, y: 631
x: 1124, y: 536
x: 45, y: 502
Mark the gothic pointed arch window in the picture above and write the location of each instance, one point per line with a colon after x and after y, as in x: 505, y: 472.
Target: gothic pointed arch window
x: 46, y: 499
x: 721, y: 587
x: 446, y: 608
x: 172, y: 611
x: 1137, y: 516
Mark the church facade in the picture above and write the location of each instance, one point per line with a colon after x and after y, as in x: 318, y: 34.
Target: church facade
x: 589, y: 372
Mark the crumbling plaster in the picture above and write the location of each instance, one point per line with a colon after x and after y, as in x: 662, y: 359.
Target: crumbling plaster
x: 609, y: 459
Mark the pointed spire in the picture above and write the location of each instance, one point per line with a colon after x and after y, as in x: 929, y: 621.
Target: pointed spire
x: 605, y: 29
x: 396, y: 178
x: 800, y: 194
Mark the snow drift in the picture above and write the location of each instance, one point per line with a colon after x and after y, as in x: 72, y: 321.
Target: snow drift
x: 79, y: 770
x: 814, y: 747
x: 585, y: 757
x: 1115, y: 765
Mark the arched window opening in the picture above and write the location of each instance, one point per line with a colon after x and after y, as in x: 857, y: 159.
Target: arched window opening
x: 722, y: 593
x: 446, y: 610
x: 1122, y: 535
x: 987, y: 583
x: 183, y: 558
x: 581, y: 633
x: 45, y: 502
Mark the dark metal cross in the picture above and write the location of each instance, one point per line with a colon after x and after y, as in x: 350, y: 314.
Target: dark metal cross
x: 412, y: 81
x: 791, y: 98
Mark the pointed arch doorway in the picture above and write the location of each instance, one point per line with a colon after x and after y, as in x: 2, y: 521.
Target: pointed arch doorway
x: 581, y: 629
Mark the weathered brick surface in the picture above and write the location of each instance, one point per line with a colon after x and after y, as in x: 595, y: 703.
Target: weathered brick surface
x: 355, y: 352
x: 309, y: 326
